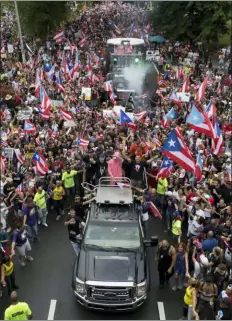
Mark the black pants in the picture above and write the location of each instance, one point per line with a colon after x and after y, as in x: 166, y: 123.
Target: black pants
x: 58, y: 206
x: 164, y: 276
x: 10, y: 282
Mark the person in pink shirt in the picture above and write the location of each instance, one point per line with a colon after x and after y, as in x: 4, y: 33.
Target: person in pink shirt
x: 115, y: 167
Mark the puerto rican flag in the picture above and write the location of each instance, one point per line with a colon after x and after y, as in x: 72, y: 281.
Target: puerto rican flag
x: 176, y: 150
x: 3, y: 143
x: 51, y: 73
x: 171, y: 115
x: 175, y: 99
x: 2, y: 164
x: 140, y: 116
x: 59, y: 84
x: 29, y: 127
x: 45, y: 101
x: 217, y: 141
x: 45, y: 115
x: 166, y: 168
x: 51, y: 133
x: 41, y: 167
x: 82, y: 142
x: 108, y: 85
x: 59, y: 37
x: 82, y: 42
x: 19, y: 189
x: 75, y: 68
x: 19, y: 156
x: 211, y: 109
x: 153, y: 210
x: 64, y: 114
x: 179, y: 73
x: 199, y: 122
x: 198, y: 168
x: 39, y: 74
x: 185, y: 86
x: 201, y: 91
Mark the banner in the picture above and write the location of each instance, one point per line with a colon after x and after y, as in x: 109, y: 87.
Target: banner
x: 184, y: 97
x: 10, y: 48
x: 57, y: 103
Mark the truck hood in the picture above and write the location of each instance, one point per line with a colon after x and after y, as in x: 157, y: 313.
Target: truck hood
x: 111, y: 266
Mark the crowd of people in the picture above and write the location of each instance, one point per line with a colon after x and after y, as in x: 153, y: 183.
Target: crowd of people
x: 53, y: 141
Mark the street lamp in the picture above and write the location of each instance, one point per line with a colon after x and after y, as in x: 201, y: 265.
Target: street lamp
x: 20, y: 32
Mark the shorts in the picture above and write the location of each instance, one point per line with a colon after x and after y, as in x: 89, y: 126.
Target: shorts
x: 179, y: 270
x: 23, y: 249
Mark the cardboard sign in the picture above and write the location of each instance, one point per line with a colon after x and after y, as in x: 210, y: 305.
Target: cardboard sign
x: 87, y: 92
x: 29, y: 155
x: 9, y: 152
x: 10, y: 48
x: 25, y: 114
x: 184, y: 97
x: 107, y: 113
x: 57, y: 103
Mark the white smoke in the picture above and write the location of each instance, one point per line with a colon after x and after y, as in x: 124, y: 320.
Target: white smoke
x: 135, y: 76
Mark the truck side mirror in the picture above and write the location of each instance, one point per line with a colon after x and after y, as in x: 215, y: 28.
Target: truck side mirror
x: 154, y: 240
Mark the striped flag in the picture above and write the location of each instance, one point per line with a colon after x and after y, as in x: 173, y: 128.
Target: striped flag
x: 82, y: 142
x: 2, y: 165
x: 59, y: 36
x: 19, y: 189
x: 41, y: 167
x: 19, y: 156
x: 201, y: 91
x: 154, y: 210
x: 64, y: 114
x: 185, y: 86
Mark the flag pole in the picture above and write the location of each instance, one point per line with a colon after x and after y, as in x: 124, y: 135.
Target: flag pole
x: 20, y: 32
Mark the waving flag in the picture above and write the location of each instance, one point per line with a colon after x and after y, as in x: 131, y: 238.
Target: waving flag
x: 75, y: 67
x: 185, y: 86
x: 217, y: 141
x: 64, y: 114
x: 19, y: 189
x: 199, y: 122
x: 198, y: 168
x: 124, y: 118
x: 201, y: 91
x: 166, y: 168
x: 175, y: 150
x: 154, y: 210
x: 3, y: 143
x: 82, y: 42
x: 29, y: 127
x: 140, y: 116
x: 179, y: 73
x: 51, y: 73
x: 108, y: 85
x: 211, y: 109
x: 19, y: 156
x: 44, y: 114
x: 59, y: 84
x: 82, y: 142
x: 38, y: 82
x: 175, y: 99
x: 44, y: 99
x: 171, y: 115
x: 59, y: 36
x: 41, y: 167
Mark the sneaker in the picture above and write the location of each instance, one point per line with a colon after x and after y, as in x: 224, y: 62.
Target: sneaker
x: 22, y: 263
x: 180, y: 287
x: 174, y: 288
x: 8, y: 229
x: 45, y: 224
x: 58, y: 217
x: 39, y: 222
x: 62, y: 213
x: 29, y: 258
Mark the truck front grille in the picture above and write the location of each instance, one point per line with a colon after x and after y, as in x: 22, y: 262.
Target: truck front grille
x: 109, y: 294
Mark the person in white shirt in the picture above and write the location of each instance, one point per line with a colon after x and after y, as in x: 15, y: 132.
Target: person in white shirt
x: 2, y: 184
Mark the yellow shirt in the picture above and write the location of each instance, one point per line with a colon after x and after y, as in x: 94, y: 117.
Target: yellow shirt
x: 188, y: 298
x: 40, y: 199
x: 19, y: 311
x: 56, y: 191
x: 162, y: 185
x: 8, y: 269
x: 68, y: 179
x: 175, y: 226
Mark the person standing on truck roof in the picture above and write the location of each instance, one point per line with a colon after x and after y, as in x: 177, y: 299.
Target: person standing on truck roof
x: 115, y: 167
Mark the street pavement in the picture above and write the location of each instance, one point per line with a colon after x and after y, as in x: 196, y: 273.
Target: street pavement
x: 49, y: 278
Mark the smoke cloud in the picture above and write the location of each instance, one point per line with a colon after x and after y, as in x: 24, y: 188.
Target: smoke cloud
x: 135, y: 77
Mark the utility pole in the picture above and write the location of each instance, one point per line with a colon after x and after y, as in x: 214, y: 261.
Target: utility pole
x: 20, y: 32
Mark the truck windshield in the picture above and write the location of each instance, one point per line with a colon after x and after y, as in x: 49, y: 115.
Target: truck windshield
x: 113, y: 235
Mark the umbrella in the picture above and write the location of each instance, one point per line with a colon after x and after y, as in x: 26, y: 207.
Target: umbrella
x: 69, y: 124
x: 158, y: 39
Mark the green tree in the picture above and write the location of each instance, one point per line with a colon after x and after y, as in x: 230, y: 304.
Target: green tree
x: 190, y: 20
x: 39, y: 18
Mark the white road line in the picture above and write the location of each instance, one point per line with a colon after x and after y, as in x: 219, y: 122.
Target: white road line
x: 156, y: 69
x: 161, y: 311
x: 52, y: 310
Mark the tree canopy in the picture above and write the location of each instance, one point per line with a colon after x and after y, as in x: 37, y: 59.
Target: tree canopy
x: 188, y: 20
x: 39, y: 18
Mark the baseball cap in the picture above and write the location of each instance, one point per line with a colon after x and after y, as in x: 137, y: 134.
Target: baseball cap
x: 102, y: 156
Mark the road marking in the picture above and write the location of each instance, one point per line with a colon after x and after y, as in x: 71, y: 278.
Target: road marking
x: 161, y: 311
x: 156, y: 69
x: 52, y: 310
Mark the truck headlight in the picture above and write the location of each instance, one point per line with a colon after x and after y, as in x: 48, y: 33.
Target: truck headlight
x: 142, y: 288
x: 80, y: 286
